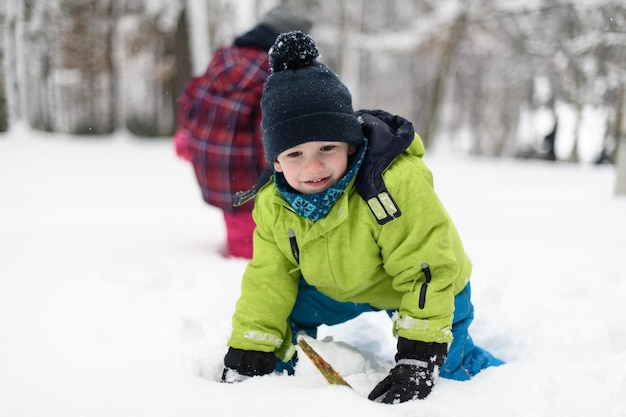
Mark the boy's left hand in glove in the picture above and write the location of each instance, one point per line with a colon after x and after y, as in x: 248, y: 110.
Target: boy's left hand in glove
x: 413, y: 377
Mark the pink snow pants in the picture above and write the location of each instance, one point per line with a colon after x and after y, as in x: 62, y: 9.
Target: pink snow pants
x: 239, y: 229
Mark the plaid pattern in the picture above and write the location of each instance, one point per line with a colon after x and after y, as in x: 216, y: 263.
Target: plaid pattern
x: 221, y: 110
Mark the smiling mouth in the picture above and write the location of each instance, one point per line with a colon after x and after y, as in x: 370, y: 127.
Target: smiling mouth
x: 317, y: 182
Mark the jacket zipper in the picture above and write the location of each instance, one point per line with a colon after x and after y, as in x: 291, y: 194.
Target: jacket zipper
x: 426, y: 271
x: 294, y: 245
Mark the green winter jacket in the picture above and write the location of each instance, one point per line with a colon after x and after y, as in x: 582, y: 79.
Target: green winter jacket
x: 353, y: 255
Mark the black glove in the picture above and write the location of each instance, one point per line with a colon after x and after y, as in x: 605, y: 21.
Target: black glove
x: 242, y: 364
x: 413, y: 377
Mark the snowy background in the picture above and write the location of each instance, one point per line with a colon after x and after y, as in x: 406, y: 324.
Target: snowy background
x: 114, y: 300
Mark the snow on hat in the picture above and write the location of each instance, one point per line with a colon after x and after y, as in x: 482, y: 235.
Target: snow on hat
x: 304, y: 100
x: 283, y: 19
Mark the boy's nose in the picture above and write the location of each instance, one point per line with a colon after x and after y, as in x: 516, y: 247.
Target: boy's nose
x: 314, y: 164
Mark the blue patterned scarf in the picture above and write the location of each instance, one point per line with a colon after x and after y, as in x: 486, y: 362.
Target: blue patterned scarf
x: 316, y: 206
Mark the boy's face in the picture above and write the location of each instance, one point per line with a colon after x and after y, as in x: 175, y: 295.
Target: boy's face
x: 313, y: 167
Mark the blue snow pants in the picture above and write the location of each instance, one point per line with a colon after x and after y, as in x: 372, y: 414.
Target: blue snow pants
x: 465, y: 359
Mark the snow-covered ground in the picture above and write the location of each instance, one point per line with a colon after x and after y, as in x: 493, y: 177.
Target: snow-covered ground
x: 114, y: 300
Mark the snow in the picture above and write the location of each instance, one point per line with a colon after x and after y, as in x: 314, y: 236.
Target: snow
x: 114, y: 300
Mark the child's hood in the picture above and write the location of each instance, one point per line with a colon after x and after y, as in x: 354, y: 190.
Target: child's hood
x: 388, y: 137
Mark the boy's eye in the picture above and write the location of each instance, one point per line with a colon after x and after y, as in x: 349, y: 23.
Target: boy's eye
x: 294, y: 154
x: 328, y: 148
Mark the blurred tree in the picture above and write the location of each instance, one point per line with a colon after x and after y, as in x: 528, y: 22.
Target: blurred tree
x: 620, y: 147
x: 60, y: 65
x: 147, y: 65
x: 4, y: 111
x: 29, y: 68
x: 80, y: 73
x: 87, y: 66
x: 485, y: 76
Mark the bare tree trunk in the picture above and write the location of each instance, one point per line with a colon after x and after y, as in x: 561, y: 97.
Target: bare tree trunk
x: 31, y: 67
x: 4, y: 112
x: 573, y: 156
x: 620, y: 185
x: 146, y: 69
x: 620, y: 151
x: 455, y: 36
x: 350, y: 57
x: 80, y: 76
x: 60, y: 71
x: 182, y: 55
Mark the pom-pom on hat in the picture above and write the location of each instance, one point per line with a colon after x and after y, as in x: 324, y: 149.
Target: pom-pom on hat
x: 304, y: 100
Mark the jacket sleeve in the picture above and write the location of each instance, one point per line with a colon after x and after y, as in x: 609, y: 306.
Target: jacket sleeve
x: 268, y: 293
x: 423, y: 236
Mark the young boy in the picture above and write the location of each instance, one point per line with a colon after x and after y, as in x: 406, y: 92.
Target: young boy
x: 348, y: 223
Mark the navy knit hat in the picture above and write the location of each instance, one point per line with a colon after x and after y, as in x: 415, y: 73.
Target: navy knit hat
x: 304, y: 100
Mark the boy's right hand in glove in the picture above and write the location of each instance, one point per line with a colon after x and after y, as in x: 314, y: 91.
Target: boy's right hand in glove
x: 242, y: 364
x: 413, y: 377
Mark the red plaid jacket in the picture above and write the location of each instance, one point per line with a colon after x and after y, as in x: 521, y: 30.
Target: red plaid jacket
x: 221, y: 111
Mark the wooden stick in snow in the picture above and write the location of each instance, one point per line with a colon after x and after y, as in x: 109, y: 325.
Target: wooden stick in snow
x: 332, y: 376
